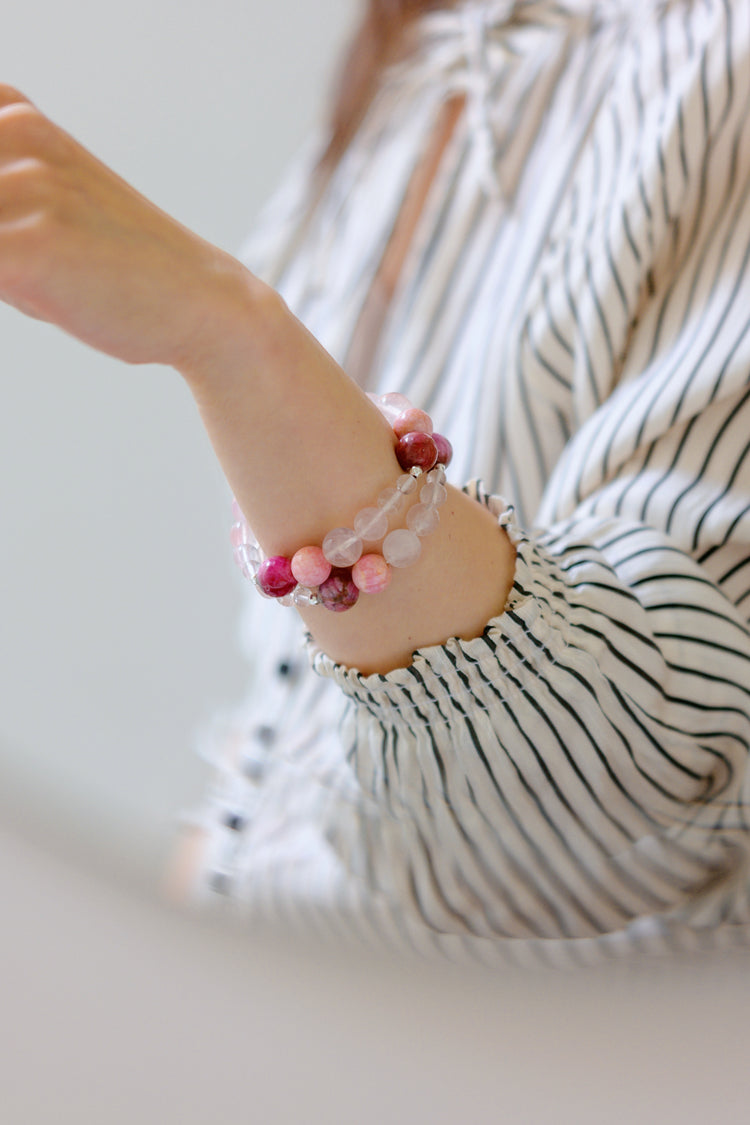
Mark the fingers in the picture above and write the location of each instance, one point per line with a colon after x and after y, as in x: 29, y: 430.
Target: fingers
x: 10, y: 96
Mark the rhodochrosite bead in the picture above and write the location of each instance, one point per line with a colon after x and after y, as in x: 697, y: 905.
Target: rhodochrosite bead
x: 338, y: 592
x: 310, y: 566
x: 371, y: 574
x: 416, y: 451
x: 275, y: 577
x: 411, y: 421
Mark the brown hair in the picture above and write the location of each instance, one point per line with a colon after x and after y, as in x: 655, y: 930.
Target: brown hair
x: 378, y: 41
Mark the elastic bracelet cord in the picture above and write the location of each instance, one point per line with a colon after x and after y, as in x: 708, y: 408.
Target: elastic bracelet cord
x: 335, y: 573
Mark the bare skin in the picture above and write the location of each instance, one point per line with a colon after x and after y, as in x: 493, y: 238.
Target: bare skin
x: 300, y: 444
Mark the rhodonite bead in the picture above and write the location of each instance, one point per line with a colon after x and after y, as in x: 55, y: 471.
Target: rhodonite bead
x: 342, y: 546
x: 275, y: 577
x: 444, y: 448
x: 422, y: 519
x: 401, y: 547
x: 371, y: 574
x: 412, y: 421
x: 371, y: 523
x: 310, y: 566
x: 416, y: 450
x: 338, y: 592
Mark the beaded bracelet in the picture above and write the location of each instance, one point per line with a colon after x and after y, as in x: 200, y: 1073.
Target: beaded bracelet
x: 334, y: 574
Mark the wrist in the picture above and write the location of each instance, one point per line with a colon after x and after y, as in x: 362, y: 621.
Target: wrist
x: 231, y: 324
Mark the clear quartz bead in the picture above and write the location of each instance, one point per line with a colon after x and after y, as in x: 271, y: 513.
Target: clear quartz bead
x: 401, y: 547
x: 248, y: 558
x: 371, y: 523
x: 342, y: 546
x: 422, y: 519
x: 436, y: 475
x: 407, y: 483
x: 304, y: 596
x: 433, y: 493
x: 287, y: 600
x: 391, y: 501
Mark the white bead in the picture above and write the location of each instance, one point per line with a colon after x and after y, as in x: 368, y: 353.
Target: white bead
x: 422, y: 519
x: 342, y: 546
x: 433, y: 493
x: 406, y: 484
x: 401, y: 548
x: 371, y: 523
x: 390, y: 500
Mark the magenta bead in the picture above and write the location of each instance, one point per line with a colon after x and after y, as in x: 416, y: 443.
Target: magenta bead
x: 444, y: 448
x: 275, y: 577
x: 412, y: 421
x: 371, y: 574
x: 416, y: 450
x: 338, y: 592
x: 310, y: 567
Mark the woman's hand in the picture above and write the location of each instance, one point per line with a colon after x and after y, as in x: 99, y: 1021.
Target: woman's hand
x: 83, y: 250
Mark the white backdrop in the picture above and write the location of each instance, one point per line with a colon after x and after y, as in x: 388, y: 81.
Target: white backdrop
x: 118, y: 598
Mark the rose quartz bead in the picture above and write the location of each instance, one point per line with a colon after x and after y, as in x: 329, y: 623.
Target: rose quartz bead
x: 444, y: 448
x: 407, y: 483
x: 422, y: 519
x: 433, y: 493
x: 412, y: 421
x: 371, y: 523
x: 371, y: 574
x: 275, y: 577
x: 401, y: 547
x: 342, y: 546
x: 416, y: 450
x: 310, y: 566
x: 338, y: 592
x: 393, y: 404
x: 391, y: 501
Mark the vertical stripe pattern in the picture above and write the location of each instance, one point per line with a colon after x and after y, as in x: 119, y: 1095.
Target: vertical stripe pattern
x: 574, y: 310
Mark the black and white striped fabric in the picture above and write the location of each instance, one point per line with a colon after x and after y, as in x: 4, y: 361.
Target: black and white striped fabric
x: 574, y: 312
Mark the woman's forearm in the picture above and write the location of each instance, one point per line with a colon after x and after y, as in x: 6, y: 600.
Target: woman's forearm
x: 303, y: 450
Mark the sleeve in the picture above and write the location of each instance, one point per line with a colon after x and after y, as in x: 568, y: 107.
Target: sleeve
x: 583, y: 763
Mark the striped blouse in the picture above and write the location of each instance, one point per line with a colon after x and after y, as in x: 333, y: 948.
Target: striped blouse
x: 573, y: 310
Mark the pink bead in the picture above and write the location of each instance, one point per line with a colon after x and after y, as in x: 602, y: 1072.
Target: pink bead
x: 371, y: 574
x: 237, y: 535
x: 416, y: 450
x: 401, y: 547
x: 422, y: 519
x: 275, y: 577
x: 342, y: 546
x: 412, y: 421
x: 338, y: 592
x: 444, y: 448
x: 391, y: 405
x: 310, y: 566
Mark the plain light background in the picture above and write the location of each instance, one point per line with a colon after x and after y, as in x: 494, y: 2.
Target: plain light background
x: 119, y: 600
